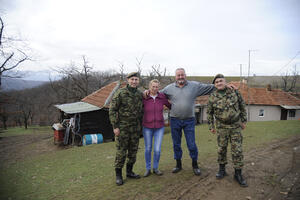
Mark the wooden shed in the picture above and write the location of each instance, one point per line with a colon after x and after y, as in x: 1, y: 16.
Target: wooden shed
x: 90, y: 115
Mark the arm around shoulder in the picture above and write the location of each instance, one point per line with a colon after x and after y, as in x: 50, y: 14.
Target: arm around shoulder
x: 204, y: 89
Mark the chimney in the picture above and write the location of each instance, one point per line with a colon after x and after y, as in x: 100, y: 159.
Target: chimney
x: 269, y: 88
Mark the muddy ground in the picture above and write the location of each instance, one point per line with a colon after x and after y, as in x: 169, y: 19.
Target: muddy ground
x: 272, y: 171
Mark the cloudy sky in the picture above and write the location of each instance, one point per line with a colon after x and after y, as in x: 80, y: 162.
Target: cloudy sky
x: 204, y: 36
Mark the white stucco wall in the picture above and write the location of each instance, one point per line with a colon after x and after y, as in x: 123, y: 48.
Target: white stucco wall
x: 204, y: 114
x: 270, y: 113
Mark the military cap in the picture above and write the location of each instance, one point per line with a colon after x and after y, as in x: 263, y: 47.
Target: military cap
x: 132, y: 74
x: 217, y: 76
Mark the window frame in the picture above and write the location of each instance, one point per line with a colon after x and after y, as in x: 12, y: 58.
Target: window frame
x: 292, y: 111
x: 263, y: 113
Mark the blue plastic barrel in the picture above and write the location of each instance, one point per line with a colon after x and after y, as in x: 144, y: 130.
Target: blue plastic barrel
x: 92, y: 139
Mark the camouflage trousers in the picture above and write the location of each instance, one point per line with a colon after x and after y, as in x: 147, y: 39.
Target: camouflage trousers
x: 127, y: 144
x: 234, y: 136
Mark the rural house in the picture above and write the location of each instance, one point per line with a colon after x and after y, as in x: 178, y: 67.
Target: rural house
x: 265, y: 104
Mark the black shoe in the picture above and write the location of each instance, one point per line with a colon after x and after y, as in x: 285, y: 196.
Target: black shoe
x: 239, y: 178
x: 119, y: 178
x: 157, y: 172
x: 196, y: 169
x: 147, y: 173
x: 178, y: 166
x: 130, y: 173
x: 222, y: 172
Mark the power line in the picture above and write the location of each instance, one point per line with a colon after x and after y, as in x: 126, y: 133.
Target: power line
x: 287, y: 63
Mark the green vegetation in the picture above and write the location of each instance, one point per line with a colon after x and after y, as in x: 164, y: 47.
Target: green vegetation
x: 87, y: 172
x: 16, y: 131
x: 208, y: 79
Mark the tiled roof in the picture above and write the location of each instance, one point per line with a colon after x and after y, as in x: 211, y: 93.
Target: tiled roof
x: 266, y: 96
x: 102, y: 97
x: 260, y: 96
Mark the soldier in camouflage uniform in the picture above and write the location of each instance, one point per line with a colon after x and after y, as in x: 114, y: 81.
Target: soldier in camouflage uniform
x: 126, y: 114
x: 226, y: 111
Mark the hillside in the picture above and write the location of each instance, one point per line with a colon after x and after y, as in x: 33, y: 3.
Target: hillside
x: 19, y: 84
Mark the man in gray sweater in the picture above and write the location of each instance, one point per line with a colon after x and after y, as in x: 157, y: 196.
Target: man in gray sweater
x: 182, y: 95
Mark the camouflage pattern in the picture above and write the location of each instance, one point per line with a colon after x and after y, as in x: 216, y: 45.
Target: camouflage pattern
x: 126, y: 113
x: 127, y: 143
x: 236, y: 139
x: 226, y: 109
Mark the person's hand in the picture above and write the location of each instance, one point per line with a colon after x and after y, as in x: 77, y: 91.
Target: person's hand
x: 117, y: 131
x: 213, y: 131
x: 146, y: 93
x: 231, y: 86
x: 243, y: 125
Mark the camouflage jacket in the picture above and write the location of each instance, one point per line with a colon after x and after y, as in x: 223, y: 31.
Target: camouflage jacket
x: 126, y: 108
x: 226, y: 110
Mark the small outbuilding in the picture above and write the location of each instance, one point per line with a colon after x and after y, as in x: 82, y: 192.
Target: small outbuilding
x: 90, y: 115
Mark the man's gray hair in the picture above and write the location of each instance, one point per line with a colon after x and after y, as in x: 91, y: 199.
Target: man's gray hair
x: 180, y: 69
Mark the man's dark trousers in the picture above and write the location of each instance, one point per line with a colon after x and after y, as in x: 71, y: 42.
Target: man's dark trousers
x: 188, y: 126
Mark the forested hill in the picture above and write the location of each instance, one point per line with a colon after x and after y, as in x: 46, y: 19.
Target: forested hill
x: 19, y: 84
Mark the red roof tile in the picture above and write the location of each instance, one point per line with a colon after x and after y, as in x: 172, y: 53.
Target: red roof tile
x: 265, y: 96
x: 260, y: 96
x: 99, y: 97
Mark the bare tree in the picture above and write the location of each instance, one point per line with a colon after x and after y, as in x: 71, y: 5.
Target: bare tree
x: 289, y: 81
x: 11, y: 56
x: 79, y: 81
x: 75, y: 80
x: 121, y: 69
x: 160, y: 74
x: 139, y: 70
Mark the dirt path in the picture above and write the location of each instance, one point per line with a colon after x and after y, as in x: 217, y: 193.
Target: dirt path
x: 272, y: 173
x: 16, y: 148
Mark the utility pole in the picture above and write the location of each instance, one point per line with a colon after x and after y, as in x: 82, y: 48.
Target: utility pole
x: 248, y: 83
x: 241, y: 67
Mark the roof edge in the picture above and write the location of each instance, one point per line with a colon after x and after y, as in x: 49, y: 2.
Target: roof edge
x: 112, y: 93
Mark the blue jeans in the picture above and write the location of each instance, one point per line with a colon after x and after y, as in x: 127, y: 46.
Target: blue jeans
x: 188, y: 126
x: 158, y: 134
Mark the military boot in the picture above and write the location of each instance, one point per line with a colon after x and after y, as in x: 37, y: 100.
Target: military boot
x: 222, y: 172
x: 178, y: 166
x: 239, y: 178
x: 130, y: 173
x: 119, y: 178
x: 196, y: 169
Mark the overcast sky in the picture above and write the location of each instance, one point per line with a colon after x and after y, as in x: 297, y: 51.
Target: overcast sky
x: 205, y: 37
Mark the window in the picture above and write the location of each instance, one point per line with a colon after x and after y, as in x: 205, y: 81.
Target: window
x: 292, y: 113
x: 261, y: 113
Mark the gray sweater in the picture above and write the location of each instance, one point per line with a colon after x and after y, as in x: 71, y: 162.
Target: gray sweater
x: 183, y: 99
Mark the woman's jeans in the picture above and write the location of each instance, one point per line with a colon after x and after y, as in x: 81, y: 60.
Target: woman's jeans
x: 158, y: 134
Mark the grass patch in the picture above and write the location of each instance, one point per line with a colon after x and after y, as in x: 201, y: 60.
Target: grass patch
x: 16, y: 131
x: 87, y: 172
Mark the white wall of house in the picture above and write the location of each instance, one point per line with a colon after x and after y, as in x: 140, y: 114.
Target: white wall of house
x: 269, y: 113
x: 204, y: 114
x: 264, y: 113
